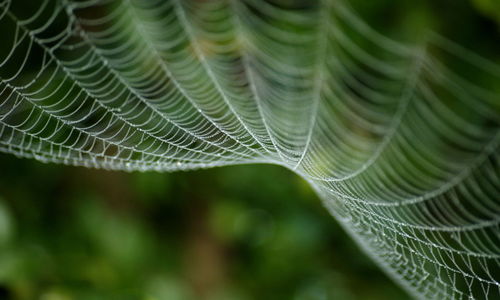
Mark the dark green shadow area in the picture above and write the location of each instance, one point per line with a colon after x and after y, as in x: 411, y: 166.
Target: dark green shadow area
x: 242, y: 232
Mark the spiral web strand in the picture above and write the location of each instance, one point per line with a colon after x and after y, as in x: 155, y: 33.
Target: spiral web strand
x: 401, y: 147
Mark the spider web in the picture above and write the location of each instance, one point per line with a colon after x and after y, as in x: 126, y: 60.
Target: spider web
x: 401, y: 142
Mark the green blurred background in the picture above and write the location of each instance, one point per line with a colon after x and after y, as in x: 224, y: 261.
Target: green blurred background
x: 243, y: 232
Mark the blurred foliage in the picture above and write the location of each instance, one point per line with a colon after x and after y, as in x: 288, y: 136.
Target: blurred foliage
x: 489, y: 7
x: 243, y: 232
